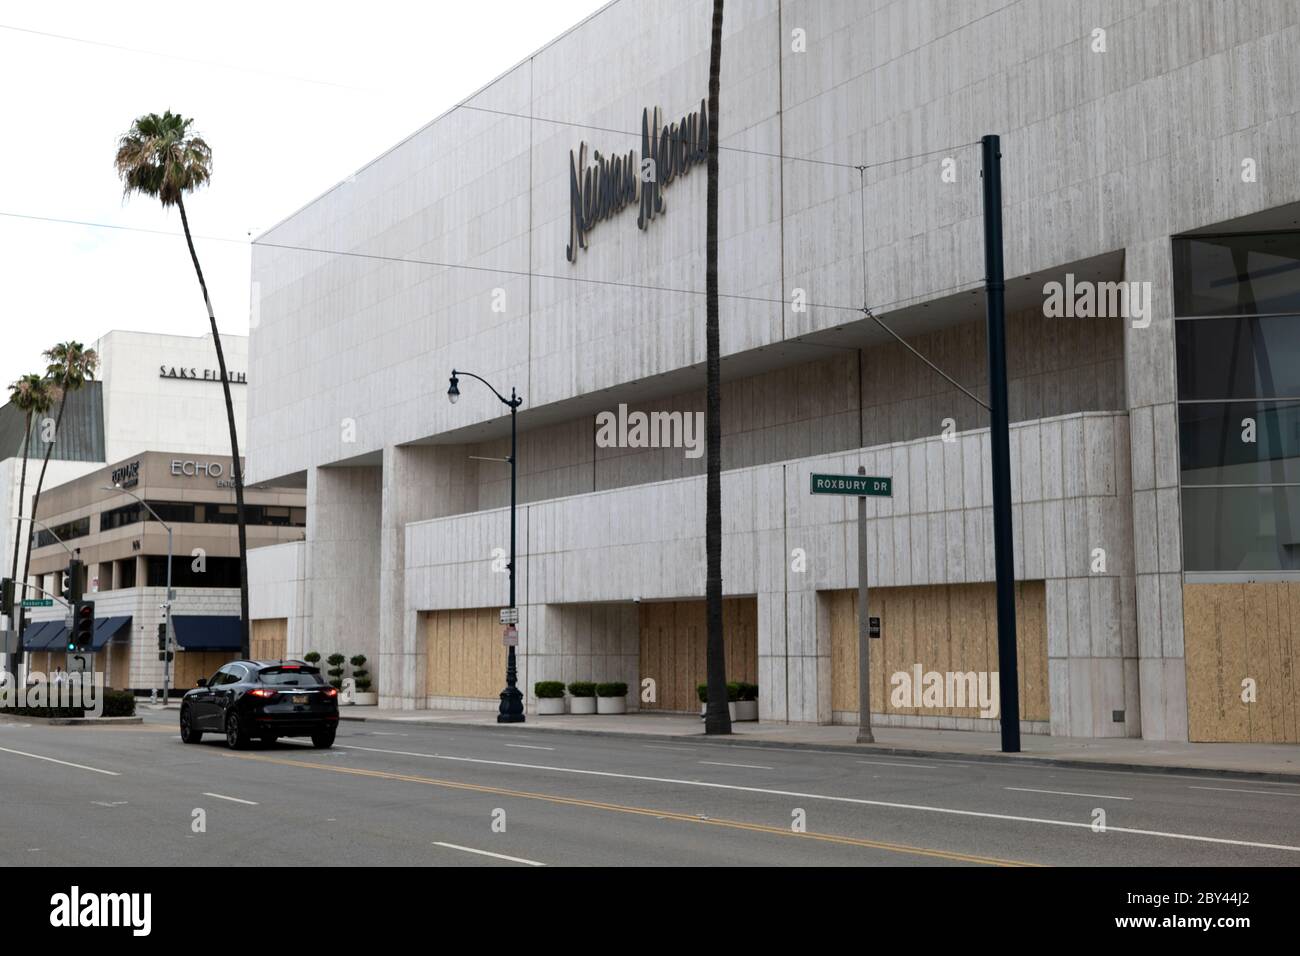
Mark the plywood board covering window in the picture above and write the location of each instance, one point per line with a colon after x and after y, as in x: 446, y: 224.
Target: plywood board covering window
x: 1234, y: 634
x: 943, y: 628
x: 465, y: 655
x: 269, y: 639
x: 674, y: 639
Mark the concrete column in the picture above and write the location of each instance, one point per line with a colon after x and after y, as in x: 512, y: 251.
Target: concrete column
x: 343, y: 508
x: 419, y: 482
x: 1151, y: 379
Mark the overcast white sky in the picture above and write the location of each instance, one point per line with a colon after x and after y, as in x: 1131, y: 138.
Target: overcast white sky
x: 292, y: 97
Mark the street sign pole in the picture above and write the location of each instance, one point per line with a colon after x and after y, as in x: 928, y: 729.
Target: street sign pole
x: 864, y: 642
x: 862, y: 487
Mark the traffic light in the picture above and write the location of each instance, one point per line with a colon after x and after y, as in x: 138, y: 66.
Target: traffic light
x: 7, y: 596
x: 82, y: 638
x: 72, y: 582
x: 163, y: 653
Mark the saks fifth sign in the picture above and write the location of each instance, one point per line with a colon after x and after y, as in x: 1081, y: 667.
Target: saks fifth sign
x: 201, y: 374
x: 607, y: 185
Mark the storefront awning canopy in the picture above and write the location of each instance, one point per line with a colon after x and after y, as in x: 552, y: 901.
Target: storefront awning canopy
x: 44, y: 636
x: 195, y: 633
x: 107, y: 628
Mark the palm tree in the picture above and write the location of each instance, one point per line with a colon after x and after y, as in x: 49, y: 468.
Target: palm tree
x: 71, y: 365
x: 716, y: 718
x: 159, y: 157
x: 32, y: 395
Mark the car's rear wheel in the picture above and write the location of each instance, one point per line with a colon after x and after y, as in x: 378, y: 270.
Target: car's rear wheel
x: 236, y: 736
x: 323, y: 738
x: 188, y: 734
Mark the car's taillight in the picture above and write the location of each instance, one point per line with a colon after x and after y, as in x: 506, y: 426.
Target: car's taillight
x: 262, y: 692
x: 330, y: 691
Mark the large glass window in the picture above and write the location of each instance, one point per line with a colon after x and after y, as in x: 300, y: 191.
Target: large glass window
x: 1254, y: 274
x: 1239, y: 400
x: 64, y: 532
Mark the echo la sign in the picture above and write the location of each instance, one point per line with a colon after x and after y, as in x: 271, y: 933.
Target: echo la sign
x: 605, y: 186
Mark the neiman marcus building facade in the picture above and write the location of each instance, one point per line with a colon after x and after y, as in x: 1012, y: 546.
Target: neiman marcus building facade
x: 1155, y: 542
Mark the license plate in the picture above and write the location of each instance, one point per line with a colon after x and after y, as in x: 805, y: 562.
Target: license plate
x: 300, y: 698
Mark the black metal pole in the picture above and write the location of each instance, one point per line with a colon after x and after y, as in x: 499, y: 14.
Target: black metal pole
x: 999, y: 442
x: 512, y: 701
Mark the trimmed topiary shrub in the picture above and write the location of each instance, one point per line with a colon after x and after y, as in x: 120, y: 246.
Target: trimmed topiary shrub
x: 733, y: 691
x: 336, y: 662
x: 612, y: 689
x: 582, y: 688
x: 702, y: 692
x: 359, y: 673
x: 748, y: 691
x: 549, y: 689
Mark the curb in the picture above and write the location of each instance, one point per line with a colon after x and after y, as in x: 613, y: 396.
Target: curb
x: 75, y: 721
x: 742, y: 743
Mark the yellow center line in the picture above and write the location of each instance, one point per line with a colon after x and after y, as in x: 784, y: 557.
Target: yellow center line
x: 642, y: 811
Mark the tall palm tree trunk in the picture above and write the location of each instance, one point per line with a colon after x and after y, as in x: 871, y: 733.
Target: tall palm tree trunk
x: 716, y: 718
x: 234, y: 442
x: 20, y: 590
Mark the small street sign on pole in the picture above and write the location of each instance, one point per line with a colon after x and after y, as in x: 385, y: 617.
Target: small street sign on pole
x: 38, y: 602
x: 862, y: 486
x: 510, y: 615
x: 876, y: 486
x: 511, y: 636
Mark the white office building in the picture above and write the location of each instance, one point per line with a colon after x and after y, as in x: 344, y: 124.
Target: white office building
x: 1145, y: 143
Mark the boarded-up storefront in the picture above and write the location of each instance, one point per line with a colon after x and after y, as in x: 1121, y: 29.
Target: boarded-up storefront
x: 1242, y: 647
x: 943, y: 629
x: 191, y: 665
x: 673, y: 645
x: 268, y: 639
x: 465, y: 654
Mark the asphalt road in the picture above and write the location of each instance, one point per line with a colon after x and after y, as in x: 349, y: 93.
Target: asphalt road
x: 406, y: 794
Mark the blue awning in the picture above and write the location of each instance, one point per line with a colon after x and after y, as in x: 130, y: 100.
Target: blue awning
x: 201, y: 633
x: 37, y: 636
x: 107, y: 628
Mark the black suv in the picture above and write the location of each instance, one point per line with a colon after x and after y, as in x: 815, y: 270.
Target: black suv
x: 264, y: 699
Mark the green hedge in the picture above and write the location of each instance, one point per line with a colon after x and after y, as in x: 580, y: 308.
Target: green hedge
x: 549, y: 689
x: 582, y: 688
x: 612, y: 689
x: 117, y: 703
x: 736, y: 690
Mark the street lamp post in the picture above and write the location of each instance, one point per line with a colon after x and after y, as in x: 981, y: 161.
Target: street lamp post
x: 167, y: 604
x: 511, y: 710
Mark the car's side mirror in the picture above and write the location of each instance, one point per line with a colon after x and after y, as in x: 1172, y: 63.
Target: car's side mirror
x: 203, y: 682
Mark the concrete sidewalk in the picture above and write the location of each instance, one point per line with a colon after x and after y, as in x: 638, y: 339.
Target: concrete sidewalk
x: 1120, y: 753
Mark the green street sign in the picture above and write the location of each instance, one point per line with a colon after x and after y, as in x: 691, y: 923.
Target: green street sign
x: 874, y: 486
x: 38, y: 602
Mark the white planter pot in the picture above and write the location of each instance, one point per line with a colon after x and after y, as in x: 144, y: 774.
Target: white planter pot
x: 369, y: 699
x: 611, y: 705
x: 745, y: 710
x: 550, y: 705
x: 582, y: 705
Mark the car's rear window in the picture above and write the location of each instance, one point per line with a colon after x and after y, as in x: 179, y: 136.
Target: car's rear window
x: 295, y: 677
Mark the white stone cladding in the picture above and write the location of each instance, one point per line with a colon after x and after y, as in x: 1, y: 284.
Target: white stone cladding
x: 1105, y: 156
